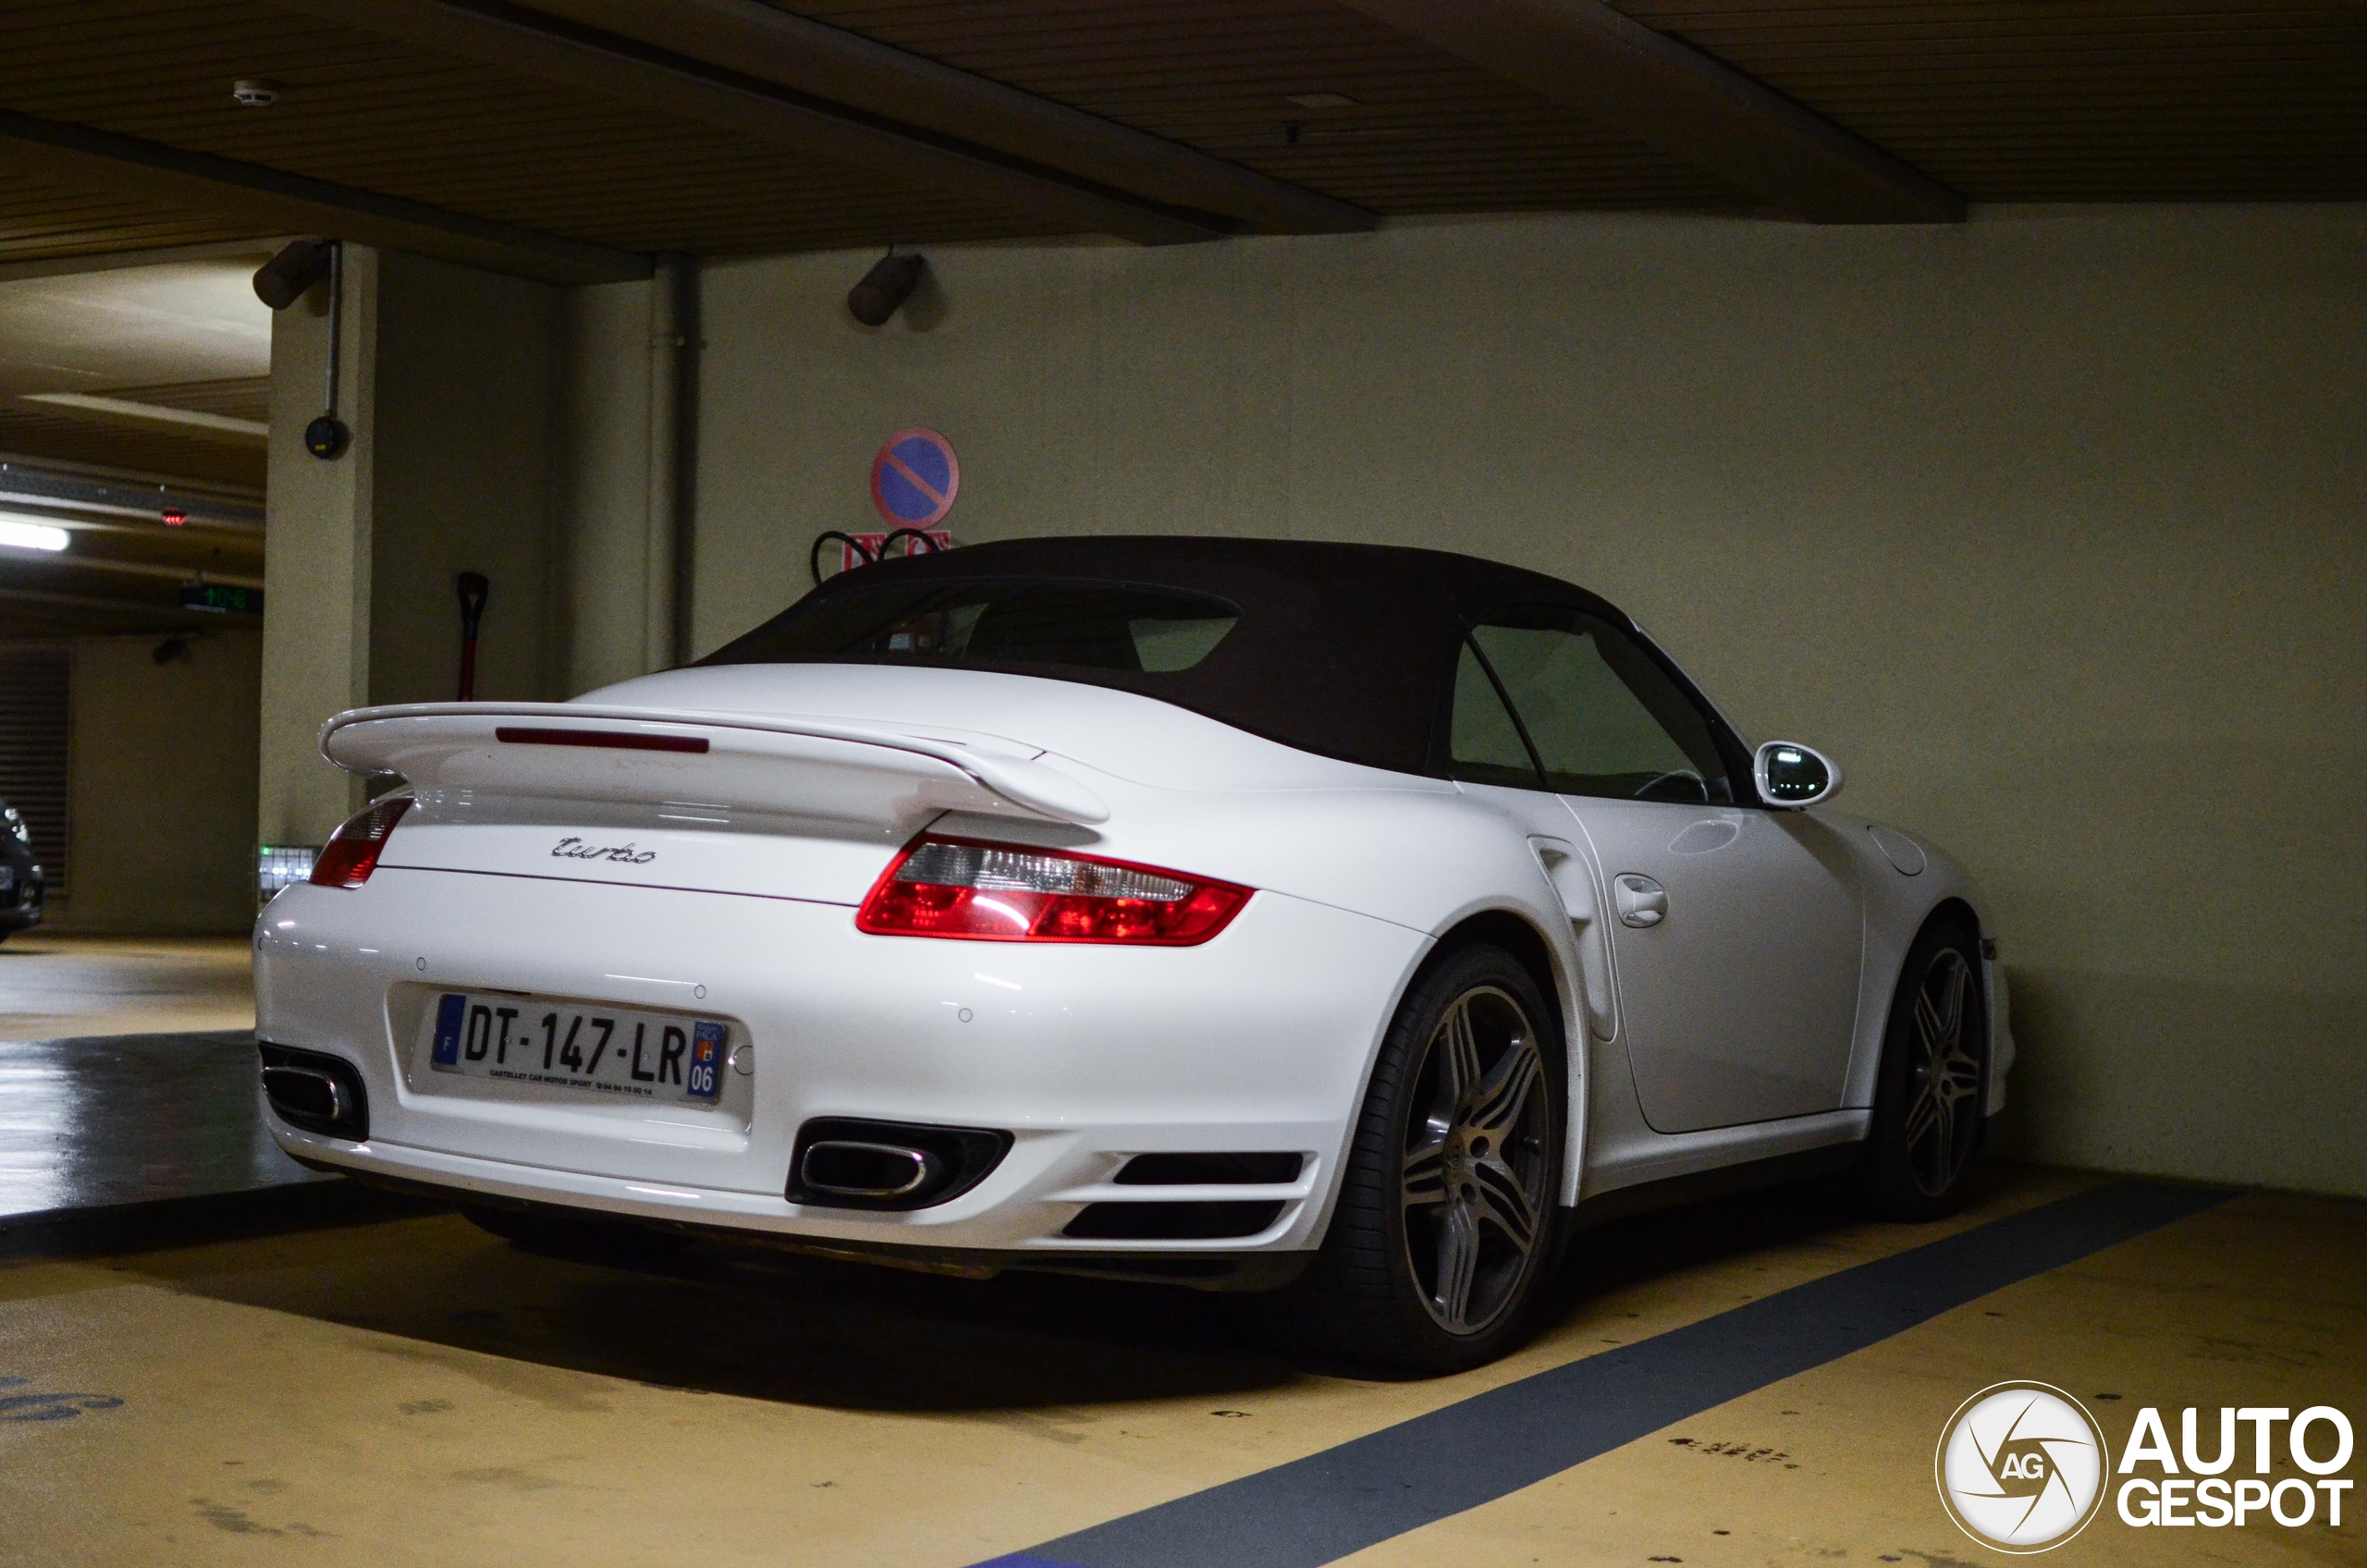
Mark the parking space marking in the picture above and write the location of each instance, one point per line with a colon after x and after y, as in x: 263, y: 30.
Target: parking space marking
x: 1321, y: 1508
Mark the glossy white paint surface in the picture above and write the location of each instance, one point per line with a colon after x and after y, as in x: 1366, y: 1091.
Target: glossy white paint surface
x: 1746, y: 1023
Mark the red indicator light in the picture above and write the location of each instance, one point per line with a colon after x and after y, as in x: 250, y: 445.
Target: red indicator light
x: 175, y: 517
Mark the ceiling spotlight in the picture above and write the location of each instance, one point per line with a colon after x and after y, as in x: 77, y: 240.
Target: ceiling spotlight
x: 282, y: 280
x: 888, y: 284
x: 256, y: 93
x: 23, y: 534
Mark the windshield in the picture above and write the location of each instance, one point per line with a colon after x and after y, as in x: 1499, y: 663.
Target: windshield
x: 1100, y: 626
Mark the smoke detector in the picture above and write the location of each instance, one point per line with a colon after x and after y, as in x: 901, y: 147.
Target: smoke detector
x: 256, y: 93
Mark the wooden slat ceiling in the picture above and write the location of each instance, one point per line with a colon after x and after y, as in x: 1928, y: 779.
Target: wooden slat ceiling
x: 2003, y: 99
x: 243, y: 396
x: 40, y: 218
x: 1428, y: 133
x: 360, y: 110
x: 74, y: 436
x: 2070, y: 100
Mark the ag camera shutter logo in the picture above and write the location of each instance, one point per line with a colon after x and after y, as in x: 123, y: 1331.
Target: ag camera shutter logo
x: 2021, y: 1467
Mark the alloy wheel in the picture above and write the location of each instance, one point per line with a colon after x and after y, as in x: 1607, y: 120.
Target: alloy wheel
x: 1943, y: 1075
x: 1476, y: 1161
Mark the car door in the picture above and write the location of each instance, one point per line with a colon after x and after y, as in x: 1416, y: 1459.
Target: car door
x: 1736, y: 930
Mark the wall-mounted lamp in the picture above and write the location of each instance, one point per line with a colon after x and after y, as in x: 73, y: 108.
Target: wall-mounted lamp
x: 888, y: 284
x: 280, y: 282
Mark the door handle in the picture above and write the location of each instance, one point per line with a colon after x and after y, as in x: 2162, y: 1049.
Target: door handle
x: 1642, y: 901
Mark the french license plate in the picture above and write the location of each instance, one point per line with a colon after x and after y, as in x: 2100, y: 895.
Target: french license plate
x: 602, y: 1050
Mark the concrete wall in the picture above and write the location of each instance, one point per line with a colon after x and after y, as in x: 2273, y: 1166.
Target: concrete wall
x: 465, y: 401
x: 602, y: 485
x: 163, y: 777
x: 2049, y: 526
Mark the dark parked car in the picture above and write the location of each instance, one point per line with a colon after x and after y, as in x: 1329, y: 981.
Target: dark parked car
x: 21, y: 880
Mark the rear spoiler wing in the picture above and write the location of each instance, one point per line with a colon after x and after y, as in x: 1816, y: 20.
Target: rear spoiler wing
x: 636, y: 753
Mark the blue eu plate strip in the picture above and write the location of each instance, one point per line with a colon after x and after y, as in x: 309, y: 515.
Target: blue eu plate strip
x: 449, y: 1013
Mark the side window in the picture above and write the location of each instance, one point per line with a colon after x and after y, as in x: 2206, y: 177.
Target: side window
x: 1483, y: 744
x: 1604, y: 718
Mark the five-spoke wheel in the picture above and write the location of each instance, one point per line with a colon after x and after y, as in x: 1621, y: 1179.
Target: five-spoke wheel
x: 1476, y: 1161
x: 1928, y: 1103
x: 1446, y: 1217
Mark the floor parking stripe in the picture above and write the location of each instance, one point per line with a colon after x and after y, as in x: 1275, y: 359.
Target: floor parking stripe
x: 1319, y: 1509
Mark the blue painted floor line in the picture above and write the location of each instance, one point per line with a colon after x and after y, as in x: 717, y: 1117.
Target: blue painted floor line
x: 1321, y: 1508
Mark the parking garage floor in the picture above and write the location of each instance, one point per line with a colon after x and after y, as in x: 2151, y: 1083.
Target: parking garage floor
x: 411, y: 1390
x: 128, y: 1088
x: 53, y: 986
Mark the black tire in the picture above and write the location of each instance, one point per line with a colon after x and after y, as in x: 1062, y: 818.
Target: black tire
x: 1374, y: 1294
x: 584, y: 1239
x: 1929, y: 1122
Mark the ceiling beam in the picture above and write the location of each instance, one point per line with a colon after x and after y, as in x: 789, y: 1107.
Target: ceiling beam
x: 161, y: 569
x: 1664, y: 90
x: 161, y: 255
x: 730, y: 98
x: 89, y: 601
x: 280, y: 200
x: 845, y: 68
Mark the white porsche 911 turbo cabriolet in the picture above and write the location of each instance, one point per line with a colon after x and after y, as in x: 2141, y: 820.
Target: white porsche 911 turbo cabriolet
x: 1344, y: 921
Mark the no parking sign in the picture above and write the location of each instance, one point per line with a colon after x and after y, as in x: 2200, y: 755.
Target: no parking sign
x: 915, y: 478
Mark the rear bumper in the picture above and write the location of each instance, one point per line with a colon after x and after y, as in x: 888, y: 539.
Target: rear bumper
x: 1258, y: 1041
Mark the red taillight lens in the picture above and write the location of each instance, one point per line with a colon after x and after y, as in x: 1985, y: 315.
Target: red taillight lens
x: 1012, y: 893
x: 346, y: 859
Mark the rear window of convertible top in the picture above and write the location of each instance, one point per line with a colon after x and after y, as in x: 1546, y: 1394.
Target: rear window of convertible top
x: 1098, y: 626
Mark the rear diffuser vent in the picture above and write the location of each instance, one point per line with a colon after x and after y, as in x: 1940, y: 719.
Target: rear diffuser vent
x: 1172, y: 1221
x: 1210, y: 1169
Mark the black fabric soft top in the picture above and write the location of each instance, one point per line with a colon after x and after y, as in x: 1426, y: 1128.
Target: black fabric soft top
x: 1346, y: 649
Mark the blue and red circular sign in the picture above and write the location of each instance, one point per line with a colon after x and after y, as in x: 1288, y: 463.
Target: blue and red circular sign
x: 915, y: 478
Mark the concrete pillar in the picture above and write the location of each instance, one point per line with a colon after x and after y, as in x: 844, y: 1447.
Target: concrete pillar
x: 317, y: 565
x: 627, y: 427
x: 450, y: 384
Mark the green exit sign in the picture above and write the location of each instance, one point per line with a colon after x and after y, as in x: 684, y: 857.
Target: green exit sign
x: 221, y: 598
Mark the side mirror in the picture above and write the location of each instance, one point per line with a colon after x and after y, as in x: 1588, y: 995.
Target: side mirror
x: 1790, y: 776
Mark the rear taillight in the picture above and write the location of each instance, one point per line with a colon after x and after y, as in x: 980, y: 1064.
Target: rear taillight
x: 346, y: 859
x: 1012, y: 893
